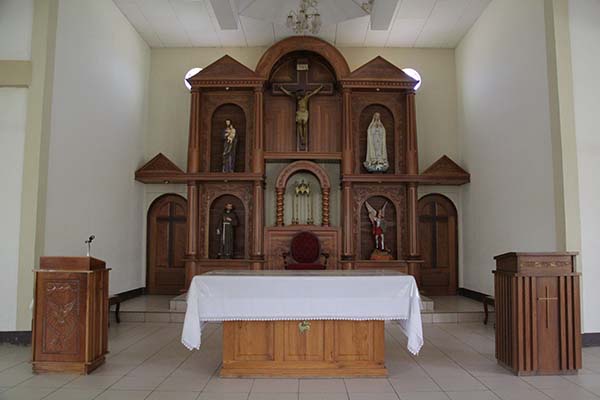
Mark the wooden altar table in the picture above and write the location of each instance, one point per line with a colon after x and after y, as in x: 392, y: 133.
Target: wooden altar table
x: 303, y: 323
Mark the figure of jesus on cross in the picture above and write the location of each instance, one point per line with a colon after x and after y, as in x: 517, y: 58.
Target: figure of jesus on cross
x: 301, y: 91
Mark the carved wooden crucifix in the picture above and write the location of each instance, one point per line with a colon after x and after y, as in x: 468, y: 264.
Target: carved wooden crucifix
x: 547, y: 299
x: 302, y: 90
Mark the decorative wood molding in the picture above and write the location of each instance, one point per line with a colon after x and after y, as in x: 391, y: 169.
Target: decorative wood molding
x: 446, y: 172
x: 379, y: 74
x: 158, y: 170
x: 302, y: 43
x: 226, y: 72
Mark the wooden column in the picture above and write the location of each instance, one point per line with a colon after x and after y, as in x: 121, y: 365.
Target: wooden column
x: 191, y: 250
x: 347, y: 169
x: 412, y: 168
x: 258, y: 166
x: 325, y: 207
x: 279, y: 206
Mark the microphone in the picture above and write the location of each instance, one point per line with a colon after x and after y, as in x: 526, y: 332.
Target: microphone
x: 90, y: 239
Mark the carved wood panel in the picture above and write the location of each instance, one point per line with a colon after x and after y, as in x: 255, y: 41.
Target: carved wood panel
x: 325, y: 124
x: 279, y: 125
x: 61, y: 328
x: 211, y: 101
x: 396, y: 194
x: 278, y: 239
x: 209, y: 192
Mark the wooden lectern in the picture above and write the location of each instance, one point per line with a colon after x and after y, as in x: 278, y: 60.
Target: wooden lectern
x: 538, y: 320
x: 70, y: 323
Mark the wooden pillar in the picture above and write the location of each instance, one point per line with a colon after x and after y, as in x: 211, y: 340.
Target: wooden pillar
x: 258, y: 166
x: 279, y: 206
x: 412, y: 168
x: 325, y: 206
x: 191, y: 251
x: 347, y: 169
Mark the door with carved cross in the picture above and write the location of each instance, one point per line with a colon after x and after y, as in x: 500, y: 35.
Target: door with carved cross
x: 167, y: 218
x: 439, y: 245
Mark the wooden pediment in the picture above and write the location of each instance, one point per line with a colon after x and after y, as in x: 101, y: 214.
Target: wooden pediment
x: 379, y: 73
x: 159, y: 170
x: 445, y: 172
x: 226, y: 71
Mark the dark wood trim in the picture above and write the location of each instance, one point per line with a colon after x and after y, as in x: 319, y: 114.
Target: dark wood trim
x: 591, y: 339
x: 20, y: 338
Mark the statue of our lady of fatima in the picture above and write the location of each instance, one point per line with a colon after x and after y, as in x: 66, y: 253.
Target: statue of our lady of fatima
x: 376, y: 160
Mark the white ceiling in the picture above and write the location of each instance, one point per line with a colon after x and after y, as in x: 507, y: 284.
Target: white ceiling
x: 193, y: 23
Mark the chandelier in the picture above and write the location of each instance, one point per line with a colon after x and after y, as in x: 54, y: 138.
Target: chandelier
x: 305, y: 19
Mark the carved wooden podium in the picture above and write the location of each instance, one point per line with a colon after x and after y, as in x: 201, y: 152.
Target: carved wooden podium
x: 538, y: 327
x: 70, y: 323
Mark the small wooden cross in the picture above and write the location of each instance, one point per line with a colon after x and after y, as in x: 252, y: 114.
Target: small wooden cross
x: 547, y: 299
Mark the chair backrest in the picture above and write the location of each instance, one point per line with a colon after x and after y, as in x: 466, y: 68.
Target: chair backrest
x: 305, y: 247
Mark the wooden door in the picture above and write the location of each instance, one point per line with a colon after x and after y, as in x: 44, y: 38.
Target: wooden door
x: 167, y: 220
x: 439, y: 245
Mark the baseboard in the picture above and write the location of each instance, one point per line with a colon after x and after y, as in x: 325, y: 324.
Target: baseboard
x: 21, y: 338
x: 130, y: 294
x: 590, y: 339
x: 472, y: 294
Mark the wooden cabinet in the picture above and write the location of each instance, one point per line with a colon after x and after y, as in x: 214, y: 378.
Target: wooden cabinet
x: 538, y: 320
x: 70, y: 322
x: 303, y: 348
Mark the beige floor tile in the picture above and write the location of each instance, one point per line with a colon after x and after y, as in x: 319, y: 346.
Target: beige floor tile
x: 373, y: 396
x: 123, y: 395
x: 323, y: 396
x: 74, y: 394
x: 423, y: 396
x: 180, y: 395
x: 273, y: 396
x: 547, y: 382
x: 12, y: 378
x: 478, y: 395
x: 570, y: 393
x: 421, y: 384
x: 92, y: 382
x: 137, y: 383
x: 223, y: 396
x: 275, y: 386
x: 48, y: 381
x: 322, y: 386
x: 459, y: 384
x: 507, y: 383
x: 532, y: 394
x: 229, y: 385
x: 368, y: 386
x: 25, y: 393
x: 184, y: 384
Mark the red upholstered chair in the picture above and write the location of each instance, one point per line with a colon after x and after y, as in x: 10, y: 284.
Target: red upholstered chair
x: 305, y: 252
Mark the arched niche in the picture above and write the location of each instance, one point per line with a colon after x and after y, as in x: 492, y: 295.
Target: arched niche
x: 387, y: 118
x: 302, y: 43
x: 316, y: 212
x: 284, y: 177
x: 236, y: 115
x: 367, y: 242
x: 215, y: 211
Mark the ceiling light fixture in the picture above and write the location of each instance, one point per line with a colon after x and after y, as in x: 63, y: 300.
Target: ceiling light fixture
x: 305, y: 19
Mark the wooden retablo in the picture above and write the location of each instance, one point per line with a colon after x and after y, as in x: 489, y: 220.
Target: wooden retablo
x: 70, y: 323
x: 538, y: 318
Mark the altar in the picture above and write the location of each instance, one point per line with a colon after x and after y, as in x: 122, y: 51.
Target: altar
x: 303, y: 323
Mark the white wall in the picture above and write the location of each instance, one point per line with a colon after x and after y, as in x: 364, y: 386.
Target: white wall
x: 96, y: 141
x: 13, y: 114
x: 504, y: 127
x: 16, y: 17
x: 585, y: 56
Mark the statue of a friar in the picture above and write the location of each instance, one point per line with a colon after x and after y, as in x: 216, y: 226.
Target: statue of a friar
x: 376, y: 160
x: 302, y: 113
x: 226, y: 231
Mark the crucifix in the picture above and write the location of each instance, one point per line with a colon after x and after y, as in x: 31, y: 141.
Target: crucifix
x: 547, y: 299
x: 302, y: 90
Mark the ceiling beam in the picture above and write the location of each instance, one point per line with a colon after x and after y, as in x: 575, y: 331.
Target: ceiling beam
x: 382, y: 13
x: 225, y: 14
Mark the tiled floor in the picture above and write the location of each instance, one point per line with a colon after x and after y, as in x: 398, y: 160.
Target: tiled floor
x: 146, y: 361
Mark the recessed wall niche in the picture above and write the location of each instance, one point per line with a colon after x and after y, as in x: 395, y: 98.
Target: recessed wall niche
x: 367, y: 242
x: 236, y: 115
x: 216, y: 210
x: 387, y: 118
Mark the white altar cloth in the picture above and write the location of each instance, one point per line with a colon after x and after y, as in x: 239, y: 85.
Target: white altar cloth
x: 303, y: 295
